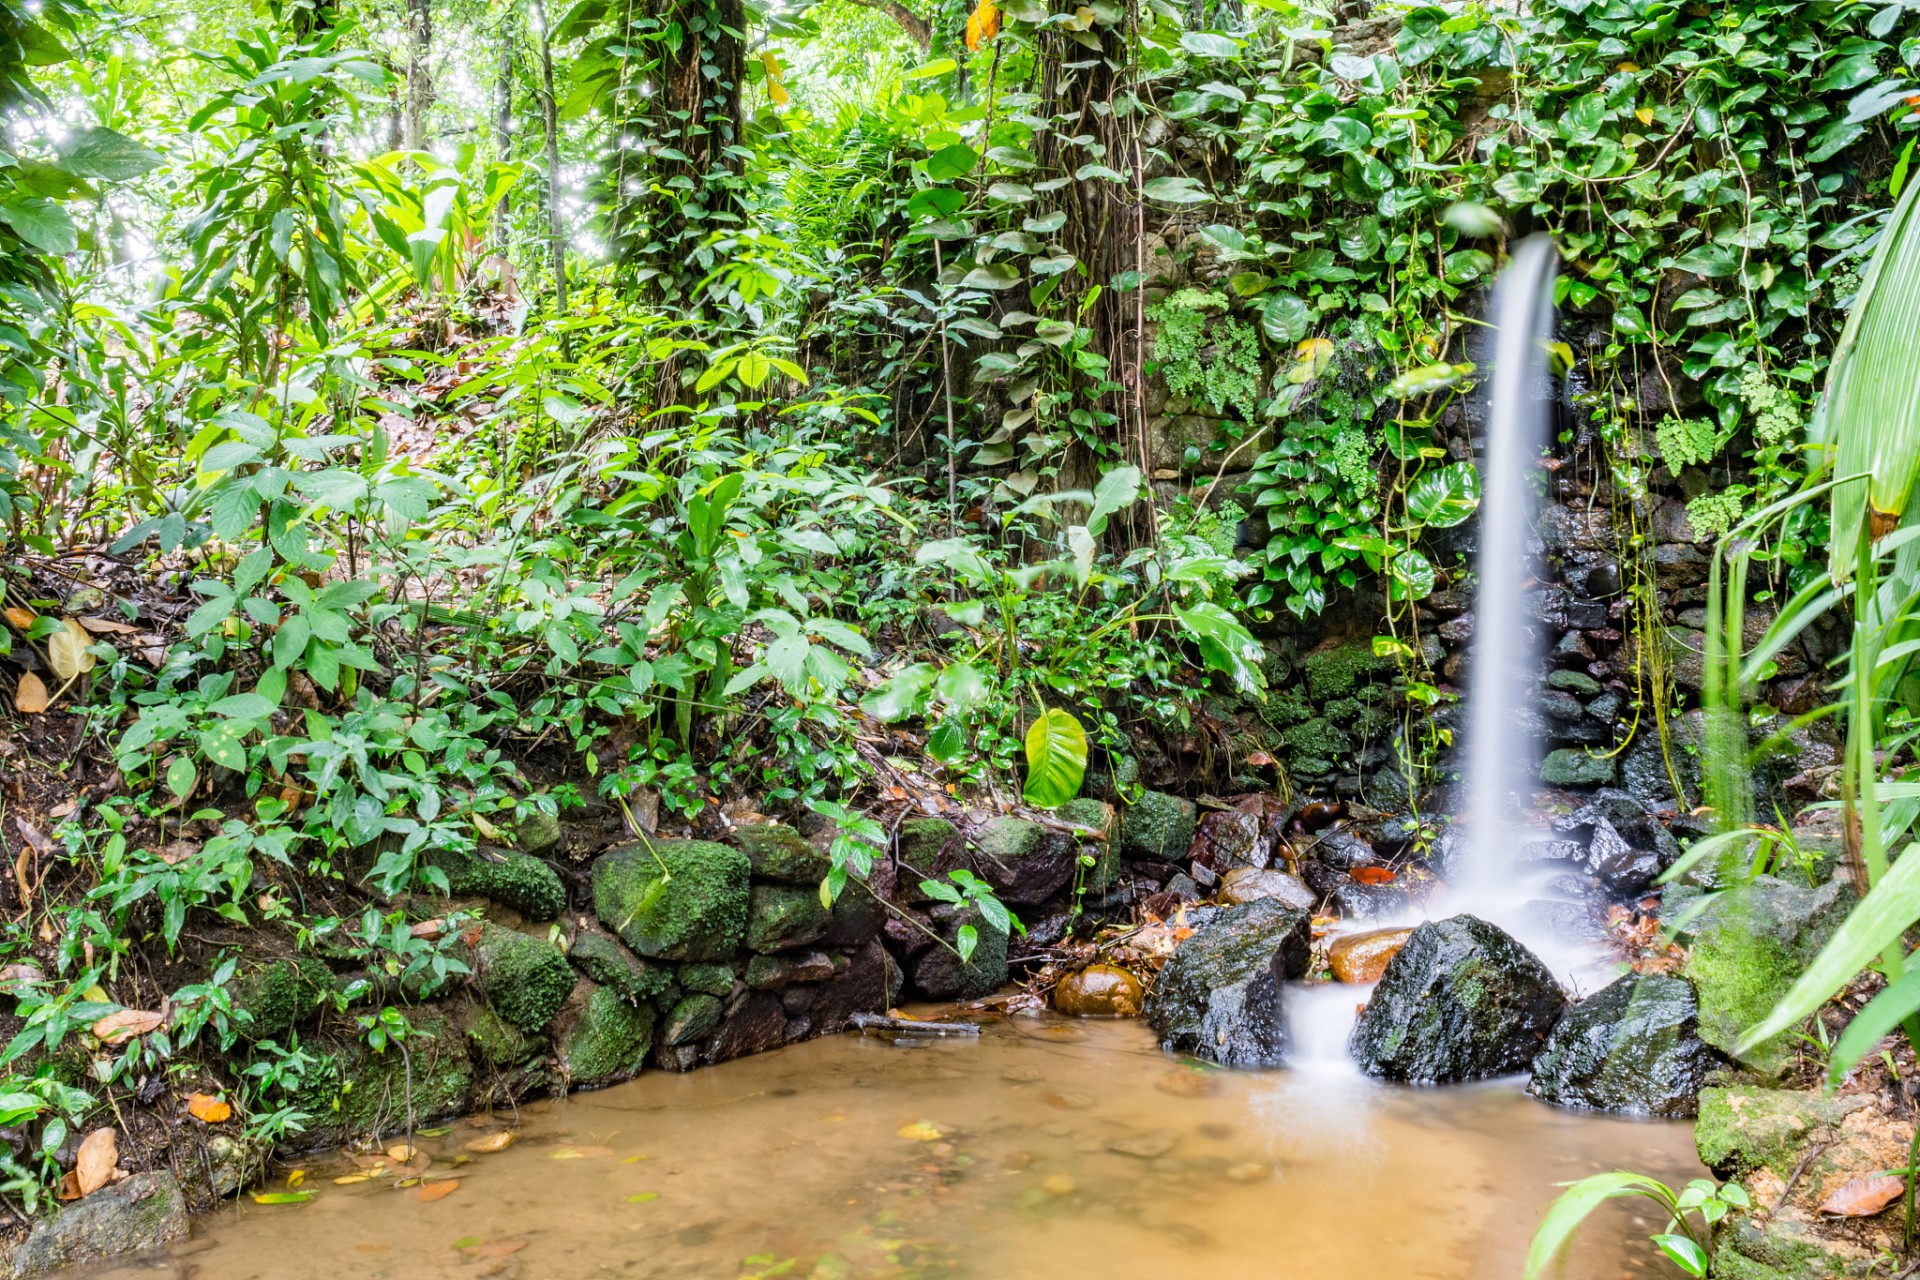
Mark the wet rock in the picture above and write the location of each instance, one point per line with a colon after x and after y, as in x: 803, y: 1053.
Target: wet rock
x: 1461, y: 1001
x: 714, y: 979
x: 1623, y: 868
x: 757, y: 1024
x: 1672, y: 524
x: 1157, y: 826
x: 779, y: 853
x: 1578, y: 683
x: 526, y: 980
x: 1219, y: 995
x: 862, y: 986
x: 140, y: 1214
x: 1568, y: 851
x: 940, y: 974
x: 1750, y: 944
x: 698, y: 913
x: 1023, y: 861
x: 1246, y: 884
x: 536, y: 831
x: 1633, y: 1047
x: 771, y: 973
x: 1576, y: 528
x: 691, y: 1018
x: 612, y: 965
x: 780, y: 917
x: 609, y: 1041
x: 1563, y: 918
x: 857, y: 917
x: 1099, y: 991
x: 1343, y: 851
x: 1150, y: 1145
x: 1678, y: 565
x: 1575, y: 767
x: 1362, y: 957
x: 1223, y: 842
x: 1356, y: 901
x: 517, y: 880
x: 1562, y: 708
x: 1323, y: 879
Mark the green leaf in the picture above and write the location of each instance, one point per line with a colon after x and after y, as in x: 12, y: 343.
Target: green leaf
x: 955, y: 161
x: 1443, y: 497
x: 1573, y: 1206
x: 181, y: 775
x: 1225, y: 645
x: 1685, y: 1252
x: 41, y: 223
x: 904, y: 695
x: 282, y: 1197
x: 1209, y: 44
x: 1118, y: 488
x: 102, y: 153
x: 1285, y: 319
x: 1410, y: 576
x: 994, y: 275
x: 947, y: 741
x: 1869, y: 929
x: 962, y: 686
x: 1176, y: 190
x: 1056, y: 759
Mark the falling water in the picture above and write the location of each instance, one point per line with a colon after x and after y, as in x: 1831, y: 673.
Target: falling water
x: 1503, y: 752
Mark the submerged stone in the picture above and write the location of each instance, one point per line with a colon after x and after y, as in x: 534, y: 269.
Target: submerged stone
x: 1633, y: 1047
x: 610, y: 1041
x: 1363, y: 957
x: 140, y: 1214
x: 1099, y: 991
x: 1461, y: 1001
x: 674, y: 899
x: 1219, y: 995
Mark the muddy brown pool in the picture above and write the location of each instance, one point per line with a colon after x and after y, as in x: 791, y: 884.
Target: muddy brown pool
x: 1046, y: 1148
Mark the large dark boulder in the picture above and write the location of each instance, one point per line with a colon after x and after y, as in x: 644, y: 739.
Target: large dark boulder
x: 1023, y: 861
x: 1461, y: 1001
x: 139, y: 1214
x: 1219, y: 996
x: 1633, y: 1047
x: 940, y: 974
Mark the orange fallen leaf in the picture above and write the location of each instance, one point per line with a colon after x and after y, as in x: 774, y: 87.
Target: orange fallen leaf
x: 402, y: 1153
x: 428, y: 1192
x: 107, y: 626
x: 492, y: 1142
x: 30, y: 695
x: 983, y: 24
x: 93, y: 1164
x: 1863, y: 1197
x: 118, y: 1028
x: 20, y: 618
x: 1372, y: 875
x: 208, y: 1109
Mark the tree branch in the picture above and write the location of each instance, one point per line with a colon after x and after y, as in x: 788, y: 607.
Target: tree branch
x: 918, y: 29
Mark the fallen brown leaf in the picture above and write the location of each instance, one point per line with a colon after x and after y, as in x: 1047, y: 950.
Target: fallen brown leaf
x: 492, y: 1142
x: 208, y: 1109
x: 118, y: 1028
x: 20, y: 619
x: 1863, y: 1197
x: 428, y: 1192
x: 107, y: 626
x: 30, y: 695
x: 93, y: 1164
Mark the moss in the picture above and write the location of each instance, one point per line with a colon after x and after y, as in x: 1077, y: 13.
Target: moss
x: 536, y: 831
x: 1740, y: 977
x: 282, y: 994
x: 520, y: 881
x: 714, y: 979
x: 612, y: 965
x: 781, y: 916
x: 692, y: 1017
x: 1744, y: 1128
x: 674, y: 899
x: 1336, y: 670
x: 1086, y: 812
x: 780, y: 853
x: 354, y: 1091
x: 1573, y: 767
x: 610, y: 1041
x: 1318, y: 738
x: 1158, y: 826
x: 1286, y: 707
x: 494, y: 1041
x: 1751, y: 1253
x: 922, y: 840
x: 525, y: 979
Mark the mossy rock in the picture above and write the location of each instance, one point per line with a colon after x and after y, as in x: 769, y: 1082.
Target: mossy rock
x: 612, y: 965
x: 714, y: 979
x: 674, y: 899
x: 537, y: 831
x: 779, y: 853
x: 526, y: 980
x: 923, y: 842
x: 1336, y: 669
x: 281, y: 994
x: 519, y: 880
x: 610, y: 1041
x: 494, y: 1041
x: 355, y: 1091
x: 780, y: 917
x: 1157, y: 826
x: 940, y: 974
x: 1743, y: 1128
x: 1574, y: 767
x: 691, y: 1018
x: 1746, y: 1251
x: 1317, y: 739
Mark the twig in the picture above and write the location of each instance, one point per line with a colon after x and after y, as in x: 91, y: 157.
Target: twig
x: 907, y: 1026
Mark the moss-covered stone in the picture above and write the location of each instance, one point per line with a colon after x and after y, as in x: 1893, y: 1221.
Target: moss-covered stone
x: 354, y: 1091
x: 783, y: 916
x: 1745, y: 1252
x: 940, y: 974
x: 779, y: 853
x: 1750, y: 945
x: 674, y: 899
x: 1578, y: 683
x: 518, y: 880
x: 1336, y: 668
x: 1317, y: 739
x: 282, y: 994
x: 612, y: 965
x: 610, y: 1040
x: 537, y: 831
x: 1157, y: 826
x: 495, y: 1042
x: 1574, y: 767
x: 692, y: 1017
x: 1743, y: 1128
x: 923, y: 842
x: 526, y: 980
x: 713, y: 979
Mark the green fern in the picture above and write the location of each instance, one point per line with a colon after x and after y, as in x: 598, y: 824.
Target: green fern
x: 1685, y: 442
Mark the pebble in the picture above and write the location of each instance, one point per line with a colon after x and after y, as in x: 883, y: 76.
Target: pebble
x: 1150, y: 1145
x: 1099, y: 991
x: 1362, y: 957
x: 1188, y: 1084
x: 1057, y: 1184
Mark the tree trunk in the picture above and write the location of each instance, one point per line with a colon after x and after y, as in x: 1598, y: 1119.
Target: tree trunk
x: 550, y: 122
x: 503, y: 126
x: 419, y: 71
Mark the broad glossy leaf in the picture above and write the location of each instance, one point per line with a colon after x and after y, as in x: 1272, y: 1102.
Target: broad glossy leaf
x: 1225, y: 645
x: 1445, y: 496
x: 952, y: 162
x: 1285, y: 319
x: 902, y: 696
x: 1056, y: 759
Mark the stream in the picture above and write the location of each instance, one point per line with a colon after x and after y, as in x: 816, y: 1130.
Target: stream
x: 1045, y: 1147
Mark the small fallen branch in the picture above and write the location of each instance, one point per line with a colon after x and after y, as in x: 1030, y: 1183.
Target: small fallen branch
x: 907, y: 1026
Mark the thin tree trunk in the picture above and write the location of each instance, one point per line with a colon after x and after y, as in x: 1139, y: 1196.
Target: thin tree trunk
x: 503, y: 126
x: 419, y: 71
x: 550, y: 121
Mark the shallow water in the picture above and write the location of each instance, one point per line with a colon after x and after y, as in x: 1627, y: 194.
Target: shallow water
x: 1046, y: 1148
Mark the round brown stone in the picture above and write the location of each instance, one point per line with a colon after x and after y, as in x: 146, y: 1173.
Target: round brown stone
x: 1099, y: 991
x: 1362, y: 957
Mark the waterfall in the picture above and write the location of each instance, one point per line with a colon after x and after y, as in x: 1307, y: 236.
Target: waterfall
x: 1503, y: 743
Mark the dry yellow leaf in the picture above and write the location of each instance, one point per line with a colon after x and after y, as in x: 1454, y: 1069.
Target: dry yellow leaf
x: 30, y: 695
x: 492, y: 1142
x: 20, y: 618
x: 402, y: 1153
x: 297, y: 1177
x: 921, y: 1131
x: 108, y: 626
x: 93, y: 1164
x: 983, y: 24
x: 67, y: 650
x: 1644, y: 115
x: 351, y: 1178
x: 208, y: 1109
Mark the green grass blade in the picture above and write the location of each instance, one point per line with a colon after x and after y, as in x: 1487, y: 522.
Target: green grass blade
x: 1882, y: 1014
x: 1578, y: 1201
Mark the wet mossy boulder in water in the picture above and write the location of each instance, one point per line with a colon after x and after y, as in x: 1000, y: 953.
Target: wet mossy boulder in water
x: 1750, y: 944
x: 1219, y: 995
x: 1576, y: 767
x: 1023, y: 861
x: 526, y: 980
x: 780, y: 917
x: 1633, y: 1047
x: 1460, y: 1001
x: 940, y: 974
x: 609, y: 1041
x: 612, y: 965
x: 690, y: 1018
x: 518, y: 880
x: 1157, y: 826
x: 140, y: 1214
x: 779, y: 853
x: 674, y: 899
x: 1099, y: 991
x: 281, y: 994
